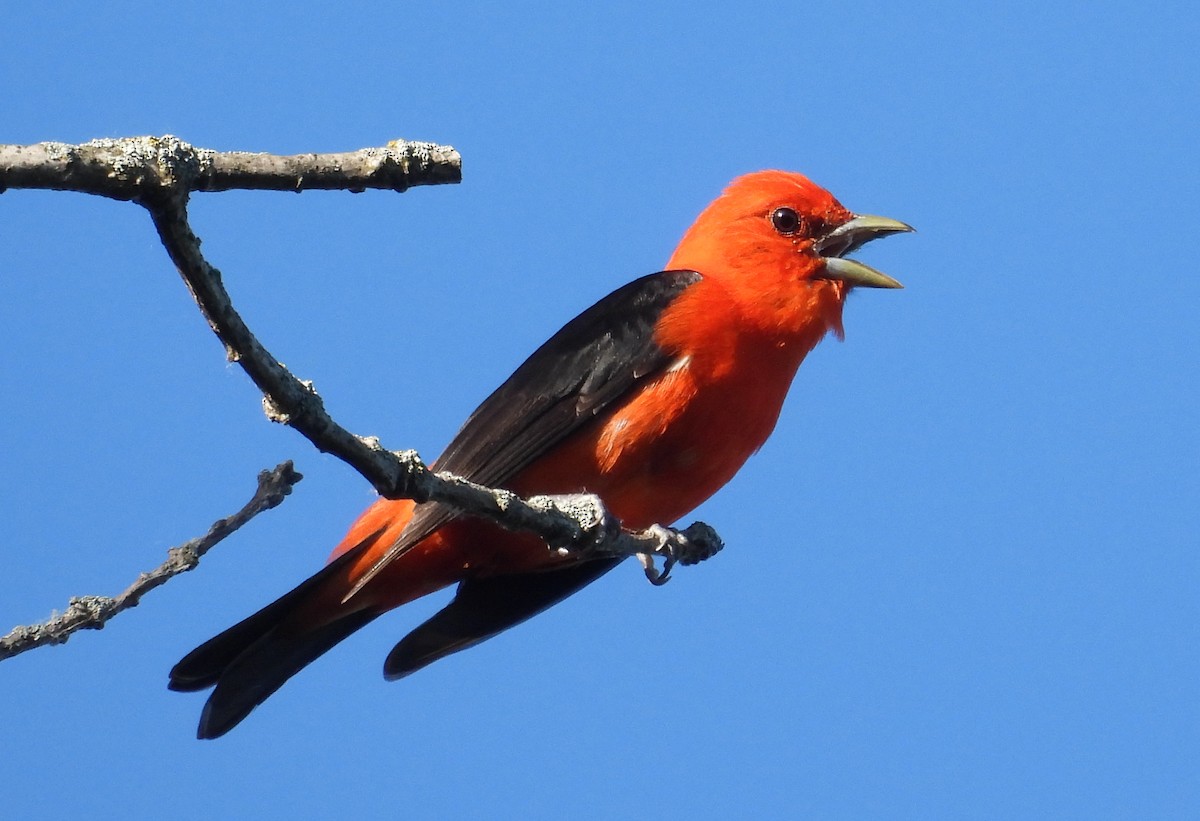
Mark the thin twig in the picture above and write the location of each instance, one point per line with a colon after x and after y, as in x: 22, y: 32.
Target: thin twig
x: 93, y: 612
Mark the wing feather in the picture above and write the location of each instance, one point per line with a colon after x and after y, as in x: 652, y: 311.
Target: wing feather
x: 591, y: 362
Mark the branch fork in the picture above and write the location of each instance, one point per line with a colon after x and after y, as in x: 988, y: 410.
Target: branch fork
x: 160, y: 174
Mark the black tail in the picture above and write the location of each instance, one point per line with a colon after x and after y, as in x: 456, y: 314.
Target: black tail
x: 251, y: 660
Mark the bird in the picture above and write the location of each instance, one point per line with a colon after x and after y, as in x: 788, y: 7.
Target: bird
x: 652, y: 399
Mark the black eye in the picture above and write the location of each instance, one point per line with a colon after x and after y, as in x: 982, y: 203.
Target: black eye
x: 785, y: 220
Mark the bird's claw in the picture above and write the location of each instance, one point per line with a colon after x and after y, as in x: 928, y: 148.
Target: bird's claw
x: 689, y: 546
x: 653, y: 574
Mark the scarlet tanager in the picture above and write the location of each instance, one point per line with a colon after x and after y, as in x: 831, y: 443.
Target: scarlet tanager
x: 653, y: 398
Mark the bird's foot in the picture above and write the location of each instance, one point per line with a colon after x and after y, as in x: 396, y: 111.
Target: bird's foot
x: 692, y: 545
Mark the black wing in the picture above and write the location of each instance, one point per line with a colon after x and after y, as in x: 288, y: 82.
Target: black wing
x: 593, y: 360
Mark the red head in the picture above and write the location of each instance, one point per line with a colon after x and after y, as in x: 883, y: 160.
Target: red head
x: 775, y: 241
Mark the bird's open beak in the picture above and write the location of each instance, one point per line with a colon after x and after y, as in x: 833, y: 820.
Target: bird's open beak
x: 851, y: 236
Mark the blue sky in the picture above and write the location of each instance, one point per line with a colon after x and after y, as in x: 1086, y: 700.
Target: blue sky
x: 961, y: 579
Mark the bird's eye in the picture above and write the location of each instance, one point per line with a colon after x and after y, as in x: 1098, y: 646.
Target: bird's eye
x: 785, y: 220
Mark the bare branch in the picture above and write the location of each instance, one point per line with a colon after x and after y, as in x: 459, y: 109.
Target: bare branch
x: 161, y: 172
x: 129, y: 168
x: 93, y: 612
x: 287, y: 399
x: 403, y: 475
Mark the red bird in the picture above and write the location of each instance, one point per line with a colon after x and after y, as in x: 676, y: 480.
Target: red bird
x: 653, y: 398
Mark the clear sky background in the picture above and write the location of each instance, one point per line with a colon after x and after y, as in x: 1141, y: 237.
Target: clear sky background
x: 961, y: 579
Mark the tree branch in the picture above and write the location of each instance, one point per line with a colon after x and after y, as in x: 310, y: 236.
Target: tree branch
x: 160, y: 173
x: 93, y: 612
x: 286, y: 399
x: 402, y: 475
x: 126, y: 169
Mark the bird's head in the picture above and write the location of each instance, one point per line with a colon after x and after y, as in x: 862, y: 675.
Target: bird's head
x: 780, y: 241
x: 783, y: 221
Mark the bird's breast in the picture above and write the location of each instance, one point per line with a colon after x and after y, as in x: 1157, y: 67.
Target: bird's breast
x: 674, y: 442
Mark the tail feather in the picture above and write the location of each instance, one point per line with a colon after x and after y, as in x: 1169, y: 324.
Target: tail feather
x: 264, y: 667
x: 251, y: 660
x: 204, y: 666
